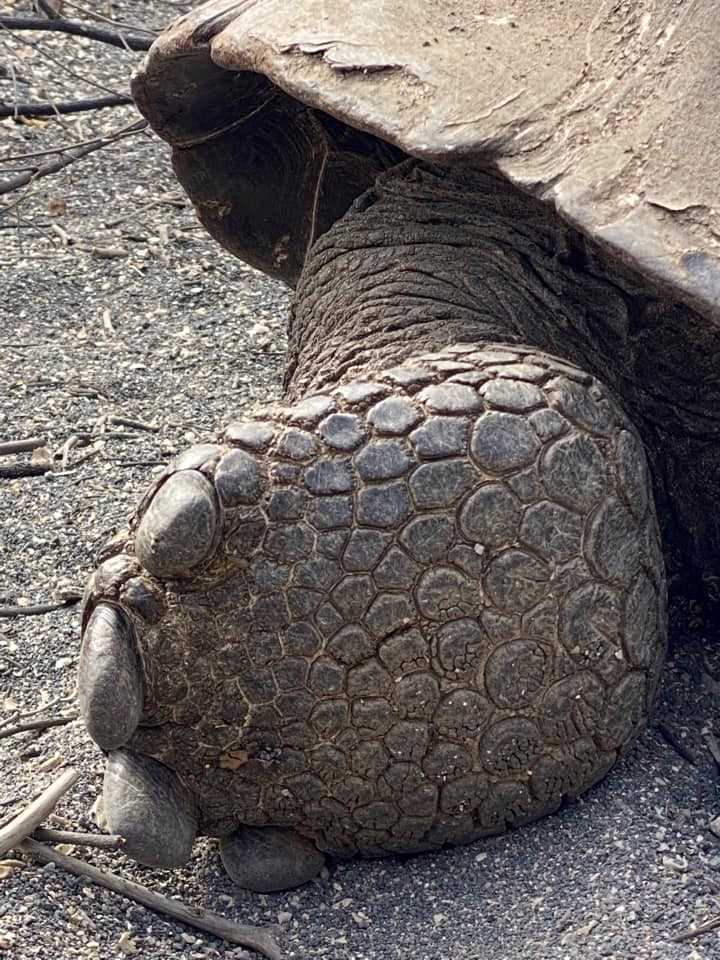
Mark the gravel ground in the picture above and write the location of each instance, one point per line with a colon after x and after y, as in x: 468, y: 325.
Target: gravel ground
x: 175, y: 334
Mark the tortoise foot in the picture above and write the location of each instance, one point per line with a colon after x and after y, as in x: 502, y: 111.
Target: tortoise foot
x: 269, y: 859
x: 415, y: 609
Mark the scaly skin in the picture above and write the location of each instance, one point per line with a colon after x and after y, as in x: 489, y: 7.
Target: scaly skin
x: 408, y: 611
x: 424, y: 601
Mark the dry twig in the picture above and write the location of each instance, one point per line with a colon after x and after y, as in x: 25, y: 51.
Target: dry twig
x: 714, y: 747
x: 50, y: 9
x: 16, y: 471
x: 697, y: 931
x: 102, y: 841
x: 253, y: 937
x: 36, y: 610
x: 76, y: 28
x: 37, y: 725
x: 94, y: 15
x: 121, y: 421
x: 48, y: 55
x: 672, y: 740
x: 51, y: 109
x: 69, y: 155
x: 21, y: 446
x: 24, y: 823
x: 43, y: 708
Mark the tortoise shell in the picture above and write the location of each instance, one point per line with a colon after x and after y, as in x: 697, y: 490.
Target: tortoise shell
x: 280, y: 115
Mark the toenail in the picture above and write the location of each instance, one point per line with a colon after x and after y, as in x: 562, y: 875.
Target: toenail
x: 178, y: 529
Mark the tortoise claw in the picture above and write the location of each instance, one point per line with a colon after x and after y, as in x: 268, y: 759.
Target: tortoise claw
x: 110, y: 680
x: 147, y: 805
x: 179, y: 528
x: 269, y: 859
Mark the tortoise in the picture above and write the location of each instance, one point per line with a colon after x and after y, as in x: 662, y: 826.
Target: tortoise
x: 423, y: 600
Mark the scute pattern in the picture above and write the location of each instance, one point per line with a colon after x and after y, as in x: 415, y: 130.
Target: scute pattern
x: 427, y: 607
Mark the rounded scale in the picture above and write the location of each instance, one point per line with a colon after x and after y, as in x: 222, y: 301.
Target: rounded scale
x: 110, y: 691
x: 268, y: 859
x: 178, y: 530
x: 423, y: 646
x: 148, y: 806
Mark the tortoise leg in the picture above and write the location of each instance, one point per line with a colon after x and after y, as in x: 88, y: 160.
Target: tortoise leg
x: 411, y: 609
x: 269, y: 859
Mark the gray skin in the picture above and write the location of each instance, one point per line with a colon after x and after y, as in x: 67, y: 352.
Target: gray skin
x: 424, y: 601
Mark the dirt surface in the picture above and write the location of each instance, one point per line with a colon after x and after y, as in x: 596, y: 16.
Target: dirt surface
x: 173, y: 334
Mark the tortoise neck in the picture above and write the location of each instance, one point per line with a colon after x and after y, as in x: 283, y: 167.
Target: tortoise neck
x: 401, y: 273
x: 432, y: 256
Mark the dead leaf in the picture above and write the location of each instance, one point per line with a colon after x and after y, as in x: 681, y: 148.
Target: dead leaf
x: 41, y: 457
x: 126, y: 943
x: 233, y: 759
x: 8, y: 868
x: 57, y: 207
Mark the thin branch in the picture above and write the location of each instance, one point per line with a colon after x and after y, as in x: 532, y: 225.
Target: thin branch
x: 122, y: 421
x: 697, y: 931
x: 48, y: 9
x: 17, y: 471
x: 8, y: 71
x: 36, y: 45
x: 672, y: 740
x: 30, y: 225
x: 36, y: 610
x: 62, y: 106
x: 63, y: 148
x: 70, y: 156
x: 77, y: 28
x: 102, y: 841
x: 24, y: 823
x: 94, y: 15
x: 14, y: 81
x: 713, y: 746
x: 37, y: 725
x: 21, y: 446
x: 253, y: 937
x: 43, y: 708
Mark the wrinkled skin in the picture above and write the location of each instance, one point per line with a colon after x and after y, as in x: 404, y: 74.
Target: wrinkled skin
x: 422, y: 602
